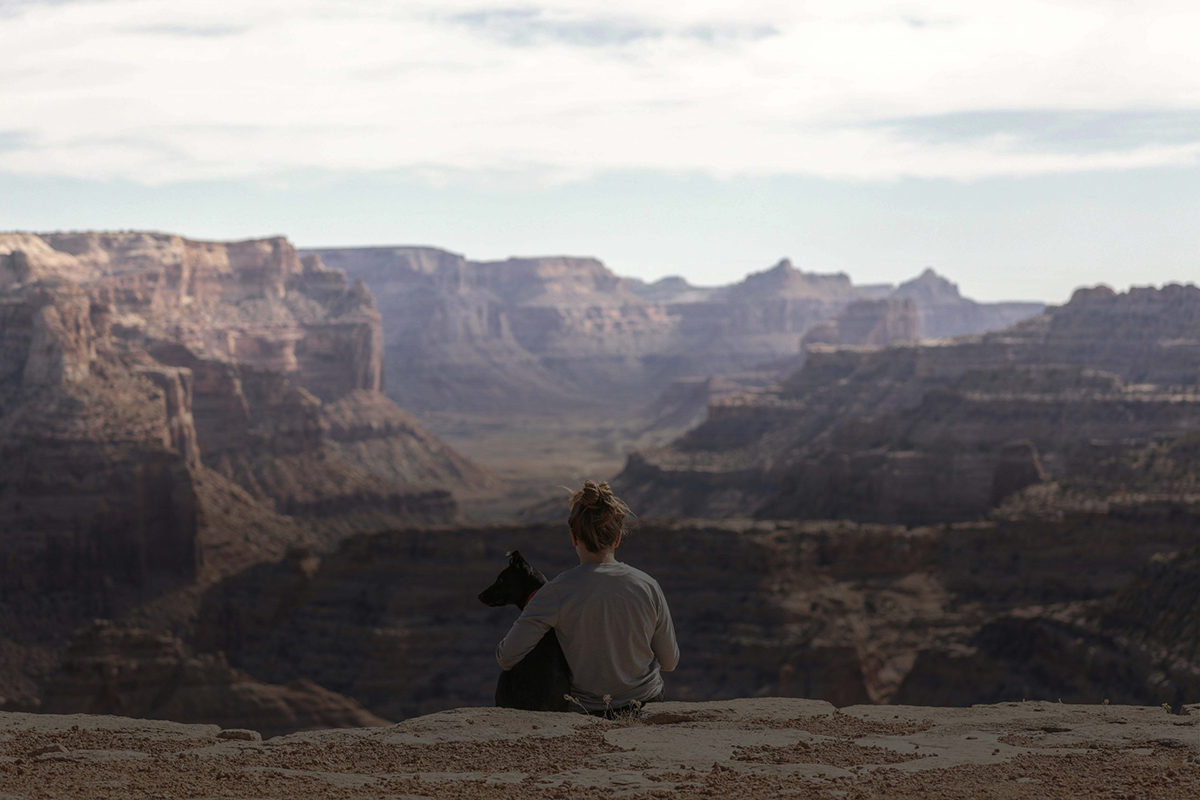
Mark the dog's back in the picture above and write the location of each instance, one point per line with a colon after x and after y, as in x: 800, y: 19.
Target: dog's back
x: 541, y: 680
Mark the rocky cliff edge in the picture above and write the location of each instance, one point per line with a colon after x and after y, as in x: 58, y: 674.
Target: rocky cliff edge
x: 764, y: 747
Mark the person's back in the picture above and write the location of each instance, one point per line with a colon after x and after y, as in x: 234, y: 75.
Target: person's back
x: 612, y: 620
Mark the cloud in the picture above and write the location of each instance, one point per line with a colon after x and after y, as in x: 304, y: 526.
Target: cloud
x: 1054, y: 131
x: 524, y: 27
x: 204, y: 30
x: 155, y: 91
x: 13, y: 140
x: 528, y: 27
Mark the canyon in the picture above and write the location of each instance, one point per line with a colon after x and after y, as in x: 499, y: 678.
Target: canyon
x: 551, y: 369
x: 1077, y: 407
x: 214, y: 510
x: 566, y: 335
x: 173, y: 411
x: 159, y: 393
x: 1087, y: 607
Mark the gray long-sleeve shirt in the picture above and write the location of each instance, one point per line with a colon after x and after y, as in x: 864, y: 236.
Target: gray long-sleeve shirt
x: 614, y: 627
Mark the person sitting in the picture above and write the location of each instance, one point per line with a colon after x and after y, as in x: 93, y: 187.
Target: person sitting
x: 611, y: 619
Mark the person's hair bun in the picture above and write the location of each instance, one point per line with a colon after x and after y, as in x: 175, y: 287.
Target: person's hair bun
x: 595, y: 496
x: 597, y: 516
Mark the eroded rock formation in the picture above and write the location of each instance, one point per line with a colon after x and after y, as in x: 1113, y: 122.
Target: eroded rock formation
x: 952, y: 429
x: 869, y: 322
x: 943, y: 312
x: 566, y: 334
x: 164, y: 402
x: 1141, y: 644
x: 174, y: 411
x: 130, y: 672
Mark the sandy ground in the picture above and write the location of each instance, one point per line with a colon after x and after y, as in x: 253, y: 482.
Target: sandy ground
x: 733, y: 749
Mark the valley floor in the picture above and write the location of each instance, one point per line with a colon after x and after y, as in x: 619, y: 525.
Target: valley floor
x: 760, y: 747
x: 535, y: 457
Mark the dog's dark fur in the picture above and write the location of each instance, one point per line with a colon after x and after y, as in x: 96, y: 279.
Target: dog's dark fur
x: 540, y: 680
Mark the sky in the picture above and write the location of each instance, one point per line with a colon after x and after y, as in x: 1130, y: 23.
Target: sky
x: 1021, y: 148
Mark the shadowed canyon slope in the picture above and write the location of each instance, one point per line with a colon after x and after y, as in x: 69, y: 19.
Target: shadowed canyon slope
x: 131, y: 672
x: 562, y: 334
x: 844, y: 612
x: 1084, y: 606
x: 1081, y: 405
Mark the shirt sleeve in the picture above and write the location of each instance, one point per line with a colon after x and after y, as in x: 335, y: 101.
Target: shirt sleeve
x: 663, y: 643
x: 539, y: 616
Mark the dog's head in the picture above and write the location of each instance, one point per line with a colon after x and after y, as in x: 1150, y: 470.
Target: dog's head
x: 514, y: 584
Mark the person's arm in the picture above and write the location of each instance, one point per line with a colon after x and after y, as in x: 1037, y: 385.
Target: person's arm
x: 538, y: 617
x: 663, y: 643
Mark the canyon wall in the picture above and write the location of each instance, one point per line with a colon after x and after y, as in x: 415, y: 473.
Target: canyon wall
x: 942, y: 312
x: 869, y: 322
x: 952, y: 429
x: 566, y: 334
x: 839, y: 611
x: 167, y: 405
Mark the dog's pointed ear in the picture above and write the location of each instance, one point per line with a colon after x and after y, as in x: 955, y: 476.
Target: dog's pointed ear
x: 515, y: 557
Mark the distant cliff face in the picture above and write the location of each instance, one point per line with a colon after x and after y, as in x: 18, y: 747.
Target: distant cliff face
x: 534, y: 334
x: 929, y: 432
x: 942, y: 312
x: 165, y: 402
x: 870, y: 322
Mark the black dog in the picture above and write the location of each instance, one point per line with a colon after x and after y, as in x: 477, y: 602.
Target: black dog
x: 541, y: 680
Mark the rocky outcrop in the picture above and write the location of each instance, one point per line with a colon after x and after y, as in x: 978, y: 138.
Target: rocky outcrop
x: 869, y: 322
x: 566, y: 335
x: 163, y: 423
x: 950, y: 430
x: 746, y: 748
x: 130, y: 672
x: 97, y: 455
x: 174, y: 411
x: 942, y: 312
x: 1140, y: 644
x: 1048, y: 653
x: 368, y: 430
x: 684, y: 403
x: 48, y: 337
x: 1160, y: 606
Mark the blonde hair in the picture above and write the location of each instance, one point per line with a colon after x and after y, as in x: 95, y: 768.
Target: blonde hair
x: 597, y: 516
